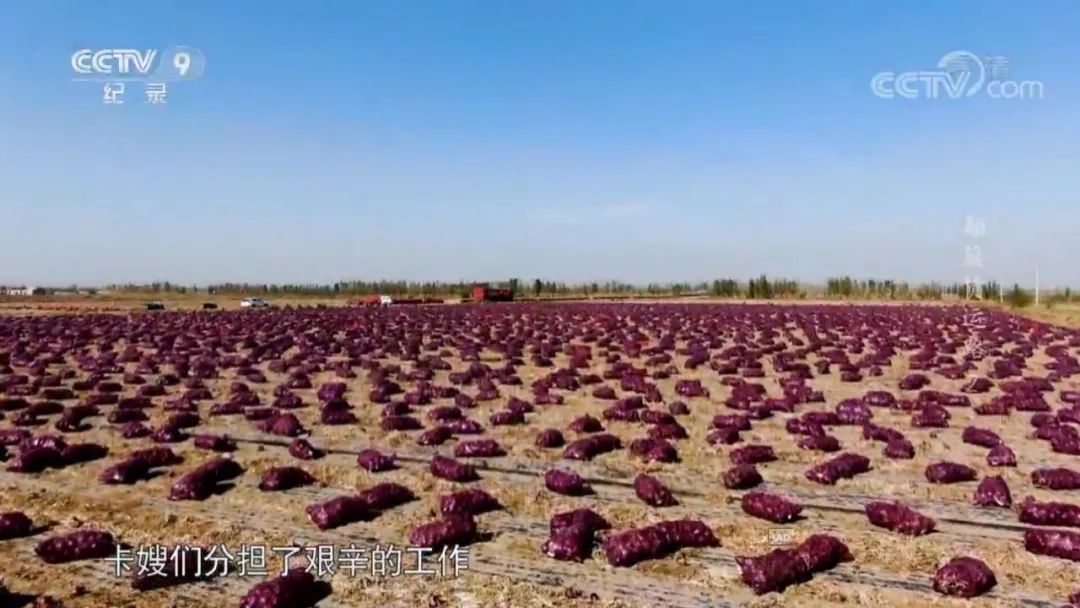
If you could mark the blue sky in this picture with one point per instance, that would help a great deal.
(642, 141)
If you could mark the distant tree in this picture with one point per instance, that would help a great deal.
(1018, 297)
(764, 288)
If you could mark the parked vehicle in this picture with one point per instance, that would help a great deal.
(482, 292)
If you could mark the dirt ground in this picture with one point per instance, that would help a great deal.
(129, 302)
(508, 568)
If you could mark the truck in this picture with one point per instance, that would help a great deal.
(482, 292)
(374, 301)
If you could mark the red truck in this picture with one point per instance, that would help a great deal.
(482, 292)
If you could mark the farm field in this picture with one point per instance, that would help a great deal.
(682, 393)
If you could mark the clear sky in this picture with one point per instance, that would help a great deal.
(586, 140)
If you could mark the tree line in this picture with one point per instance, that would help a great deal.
(761, 287)
(849, 287)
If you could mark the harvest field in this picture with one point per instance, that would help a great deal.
(665, 413)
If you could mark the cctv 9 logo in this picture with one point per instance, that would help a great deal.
(181, 63)
(174, 63)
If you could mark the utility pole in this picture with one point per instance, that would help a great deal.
(1036, 286)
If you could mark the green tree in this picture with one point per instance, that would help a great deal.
(1018, 297)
